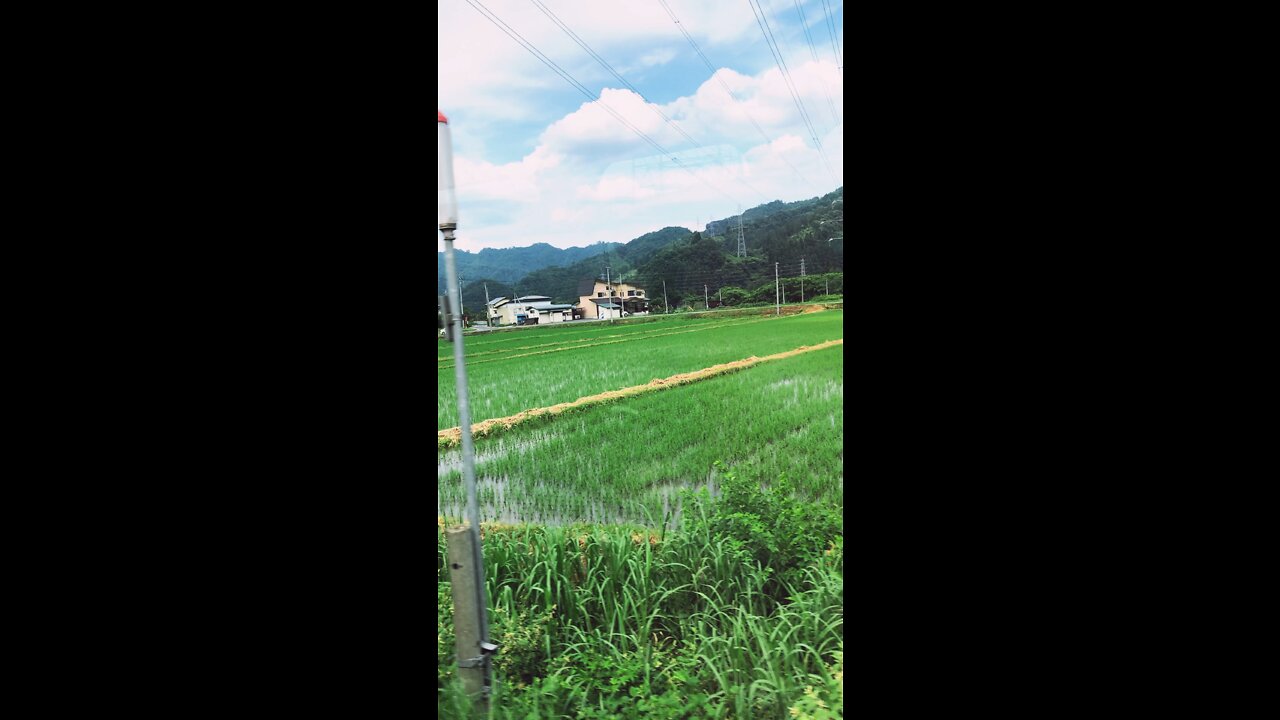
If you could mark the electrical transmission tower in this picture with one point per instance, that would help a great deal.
(742, 243)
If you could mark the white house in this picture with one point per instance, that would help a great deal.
(528, 310)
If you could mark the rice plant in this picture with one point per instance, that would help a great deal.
(626, 461)
(507, 386)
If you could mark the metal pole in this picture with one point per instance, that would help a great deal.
(447, 222)
(487, 309)
(664, 295)
(468, 467)
(609, 286)
(801, 279)
(777, 290)
(706, 300)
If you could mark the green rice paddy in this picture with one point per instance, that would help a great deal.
(613, 592)
(623, 461)
(502, 385)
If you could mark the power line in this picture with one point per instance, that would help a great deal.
(648, 103)
(813, 50)
(831, 27)
(778, 60)
(515, 35)
(731, 94)
(582, 43)
(786, 77)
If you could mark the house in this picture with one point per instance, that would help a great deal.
(600, 298)
(528, 310)
(493, 310)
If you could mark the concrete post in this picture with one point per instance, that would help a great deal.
(466, 619)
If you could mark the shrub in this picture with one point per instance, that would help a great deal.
(521, 655)
(825, 702)
(770, 527)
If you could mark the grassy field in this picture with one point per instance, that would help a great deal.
(502, 384)
(676, 554)
(623, 461)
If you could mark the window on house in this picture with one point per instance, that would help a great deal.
(631, 293)
(599, 294)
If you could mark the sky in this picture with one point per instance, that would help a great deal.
(535, 160)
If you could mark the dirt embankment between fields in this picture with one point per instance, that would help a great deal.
(453, 436)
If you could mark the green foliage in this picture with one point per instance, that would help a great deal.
(561, 281)
(769, 527)
(775, 232)
(522, 655)
(827, 701)
(473, 294)
(446, 663)
(675, 627)
(509, 265)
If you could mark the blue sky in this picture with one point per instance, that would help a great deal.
(536, 161)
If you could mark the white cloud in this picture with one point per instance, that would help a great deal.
(482, 69)
(658, 57)
(586, 177)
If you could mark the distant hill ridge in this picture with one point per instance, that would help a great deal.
(775, 232)
(508, 265)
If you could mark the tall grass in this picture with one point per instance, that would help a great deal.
(677, 616)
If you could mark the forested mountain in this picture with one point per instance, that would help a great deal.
(696, 264)
(510, 264)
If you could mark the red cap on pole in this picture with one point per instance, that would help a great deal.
(442, 119)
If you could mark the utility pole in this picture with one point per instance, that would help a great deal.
(608, 286)
(706, 301)
(664, 296)
(721, 292)
(486, 304)
(471, 605)
(826, 285)
(801, 279)
(777, 291)
(462, 310)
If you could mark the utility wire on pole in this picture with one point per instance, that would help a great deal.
(608, 286)
(777, 290)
